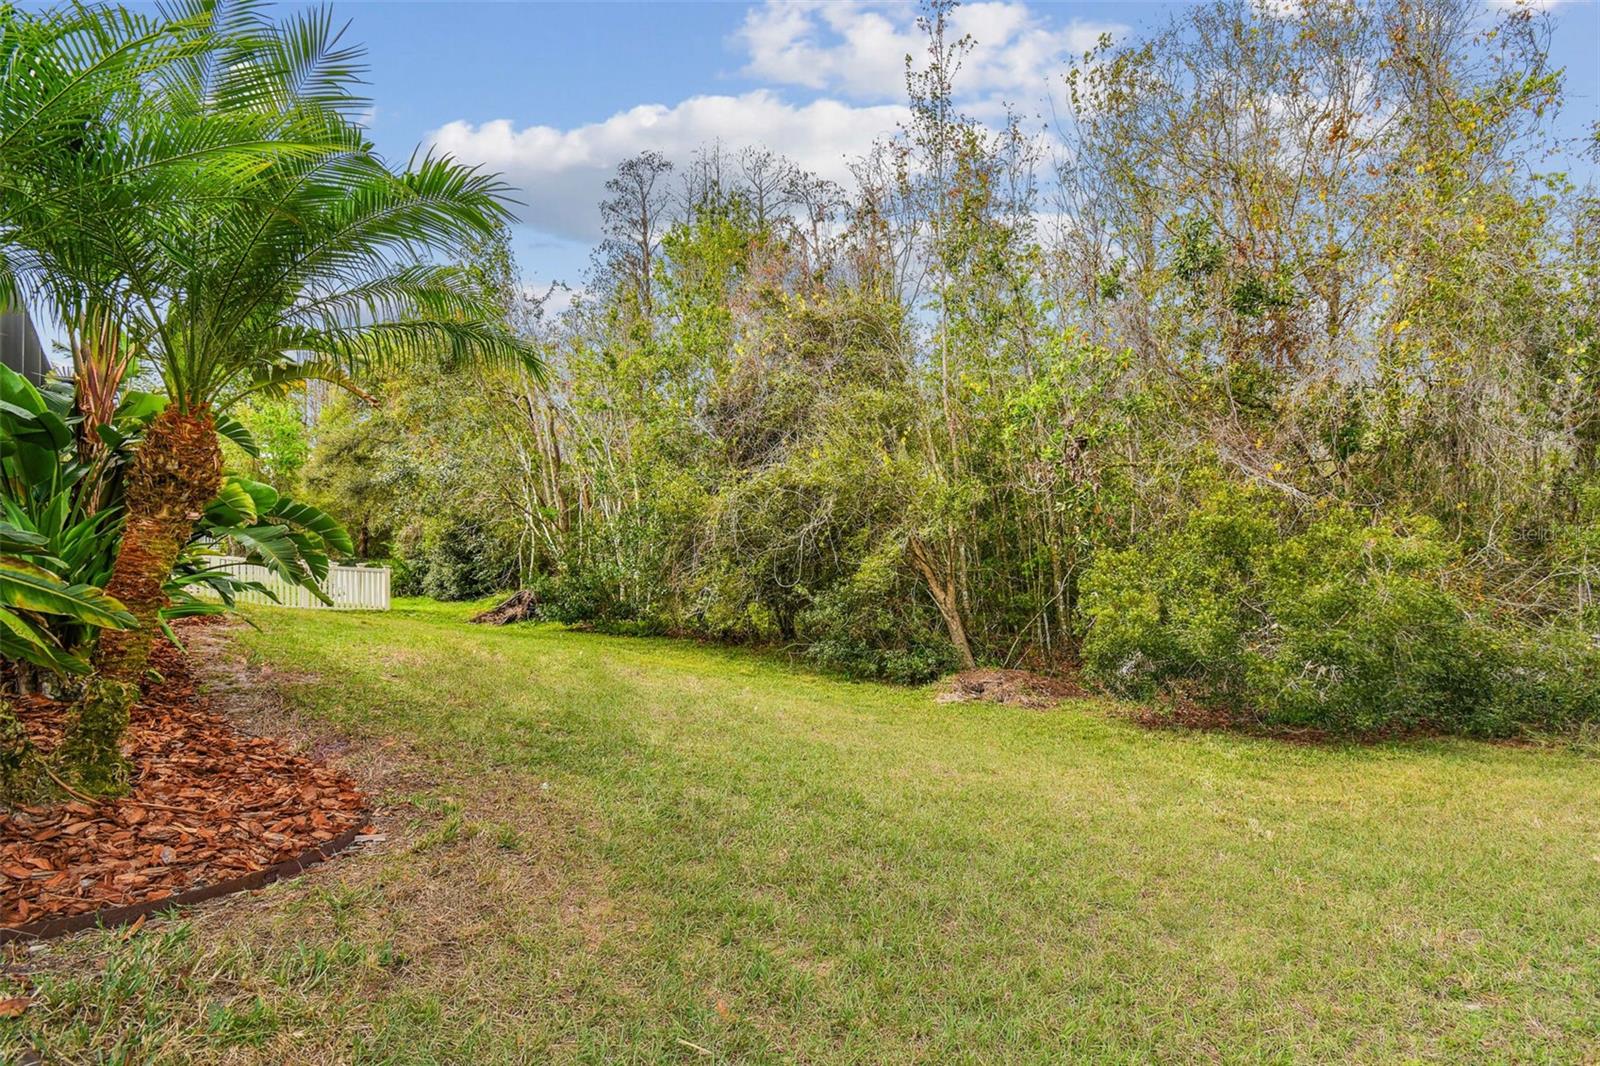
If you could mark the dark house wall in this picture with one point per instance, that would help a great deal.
(20, 348)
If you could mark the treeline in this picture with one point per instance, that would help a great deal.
(1265, 379)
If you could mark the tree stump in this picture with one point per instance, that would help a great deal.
(520, 606)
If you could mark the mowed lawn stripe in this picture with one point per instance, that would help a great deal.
(971, 877)
(623, 850)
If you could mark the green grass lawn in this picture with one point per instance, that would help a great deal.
(606, 849)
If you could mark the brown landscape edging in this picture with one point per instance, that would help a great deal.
(107, 917)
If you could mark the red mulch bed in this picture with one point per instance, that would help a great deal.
(209, 804)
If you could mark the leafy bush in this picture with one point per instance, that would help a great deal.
(594, 598)
(1546, 679)
(1364, 634)
(405, 576)
(455, 561)
(872, 626)
(1345, 625)
(567, 598)
(1176, 609)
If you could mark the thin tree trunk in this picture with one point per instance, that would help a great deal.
(945, 597)
(177, 471)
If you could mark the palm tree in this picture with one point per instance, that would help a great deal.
(256, 239)
(63, 76)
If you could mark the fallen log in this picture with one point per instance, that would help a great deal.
(522, 606)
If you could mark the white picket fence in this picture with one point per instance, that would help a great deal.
(351, 588)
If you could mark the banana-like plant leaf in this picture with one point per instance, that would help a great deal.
(23, 641)
(28, 414)
(112, 435)
(311, 553)
(276, 548)
(317, 521)
(18, 394)
(220, 580)
(234, 430)
(269, 545)
(53, 424)
(27, 587)
(139, 407)
(233, 506)
(17, 540)
(265, 496)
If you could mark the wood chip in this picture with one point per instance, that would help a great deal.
(206, 798)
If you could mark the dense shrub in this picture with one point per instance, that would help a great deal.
(454, 561)
(405, 579)
(592, 598)
(734, 422)
(1345, 625)
(869, 627)
(1546, 679)
(1178, 608)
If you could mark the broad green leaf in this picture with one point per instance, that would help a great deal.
(271, 546)
(18, 393)
(265, 496)
(234, 430)
(23, 641)
(317, 521)
(30, 588)
(311, 553)
(60, 433)
(139, 407)
(13, 539)
(282, 552)
(233, 506)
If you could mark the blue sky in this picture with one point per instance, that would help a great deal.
(555, 94)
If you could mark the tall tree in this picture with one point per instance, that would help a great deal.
(634, 216)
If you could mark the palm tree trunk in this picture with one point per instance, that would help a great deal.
(176, 472)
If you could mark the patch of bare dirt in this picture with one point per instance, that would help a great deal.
(251, 695)
(1013, 688)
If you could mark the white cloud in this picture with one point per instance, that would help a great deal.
(859, 47)
(561, 173)
(851, 52)
(839, 46)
